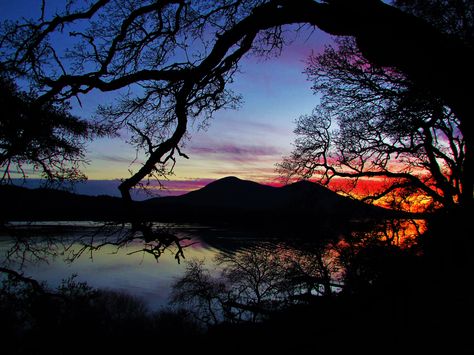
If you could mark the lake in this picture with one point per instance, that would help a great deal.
(125, 269)
(44, 249)
(109, 256)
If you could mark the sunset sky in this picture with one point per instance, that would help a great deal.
(246, 143)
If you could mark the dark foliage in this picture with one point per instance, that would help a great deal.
(42, 139)
(392, 299)
(75, 319)
(375, 125)
(455, 18)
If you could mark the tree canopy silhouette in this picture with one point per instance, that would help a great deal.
(44, 137)
(454, 18)
(375, 124)
(179, 57)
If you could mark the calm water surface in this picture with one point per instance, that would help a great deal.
(41, 250)
(125, 269)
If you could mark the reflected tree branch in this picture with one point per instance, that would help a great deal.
(31, 245)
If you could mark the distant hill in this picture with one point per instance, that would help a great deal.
(228, 199)
(227, 193)
(234, 199)
(20, 203)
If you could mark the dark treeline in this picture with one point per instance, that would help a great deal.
(75, 319)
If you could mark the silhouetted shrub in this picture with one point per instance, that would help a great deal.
(75, 318)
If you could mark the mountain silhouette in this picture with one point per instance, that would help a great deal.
(231, 198)
(228, 192)
(227, 199)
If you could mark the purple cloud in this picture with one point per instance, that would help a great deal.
(232, 150)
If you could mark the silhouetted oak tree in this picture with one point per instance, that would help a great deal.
(178, 56)
(374, 123)
(43, 137)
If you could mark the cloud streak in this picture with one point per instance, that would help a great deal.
(116, 159)
(232, 150)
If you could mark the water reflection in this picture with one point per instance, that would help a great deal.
(255, 282)
(289, 270)
(105, 257)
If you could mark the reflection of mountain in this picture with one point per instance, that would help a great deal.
(228, 199)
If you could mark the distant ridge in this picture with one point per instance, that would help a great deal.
(21, 203)
(228, 192)
(227, 199)
(233, 198)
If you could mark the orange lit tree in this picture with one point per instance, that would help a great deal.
(374, 124)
